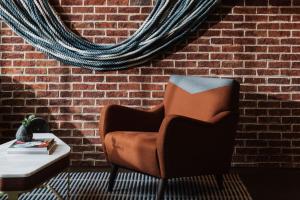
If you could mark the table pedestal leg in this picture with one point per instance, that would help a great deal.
(12, 195)
(53, 191)
(68, 182)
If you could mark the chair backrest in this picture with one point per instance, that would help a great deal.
(200, 97)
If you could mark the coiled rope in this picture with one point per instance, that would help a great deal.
(170, 21)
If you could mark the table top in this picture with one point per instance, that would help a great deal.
(24, 165)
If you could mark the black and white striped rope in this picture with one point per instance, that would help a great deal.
(169, 22)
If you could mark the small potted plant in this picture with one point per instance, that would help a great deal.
(24, 134)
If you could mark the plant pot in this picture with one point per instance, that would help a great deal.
(23, 135)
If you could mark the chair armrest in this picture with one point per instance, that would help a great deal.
(188, 147)
(120, 118)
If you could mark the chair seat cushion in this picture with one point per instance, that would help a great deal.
(133, 150)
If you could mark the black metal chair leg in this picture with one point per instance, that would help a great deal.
(161, 189)
(112, 177)
(220, 181)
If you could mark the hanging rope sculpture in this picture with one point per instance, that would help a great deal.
(170, 21)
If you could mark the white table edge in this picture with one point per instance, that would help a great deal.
(39, 169)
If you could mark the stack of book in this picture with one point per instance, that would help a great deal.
(36, 146)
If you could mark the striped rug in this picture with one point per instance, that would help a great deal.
(135, 186)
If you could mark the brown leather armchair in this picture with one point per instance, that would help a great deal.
(191, 133)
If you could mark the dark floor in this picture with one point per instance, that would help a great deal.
(271, 184)
(263, 183)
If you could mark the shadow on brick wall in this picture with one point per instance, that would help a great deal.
(187, 44)
(269, 131)
(18, 100)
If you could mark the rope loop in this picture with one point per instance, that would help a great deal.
(169, 22)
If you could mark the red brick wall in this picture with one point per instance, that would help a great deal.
(255, 41)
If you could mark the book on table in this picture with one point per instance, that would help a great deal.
(36, 146)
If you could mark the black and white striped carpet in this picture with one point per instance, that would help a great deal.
(135, 186)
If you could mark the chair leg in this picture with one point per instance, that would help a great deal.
(161, 189)
(112, 177)
(220, 181)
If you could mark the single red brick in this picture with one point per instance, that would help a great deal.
(256, 18)
(83, 102)
(267, 41)
(256, 64)
(12, 55)
(256, 33)
(244, 10)
(93, 3)
(233, 33)
(71, 2)
(222, 41)
(242, 56)
(256, 3)
(290, 10)
(285, 18)
(280, 2)
(60, 102)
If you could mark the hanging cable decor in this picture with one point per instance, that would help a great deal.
(170, 21)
